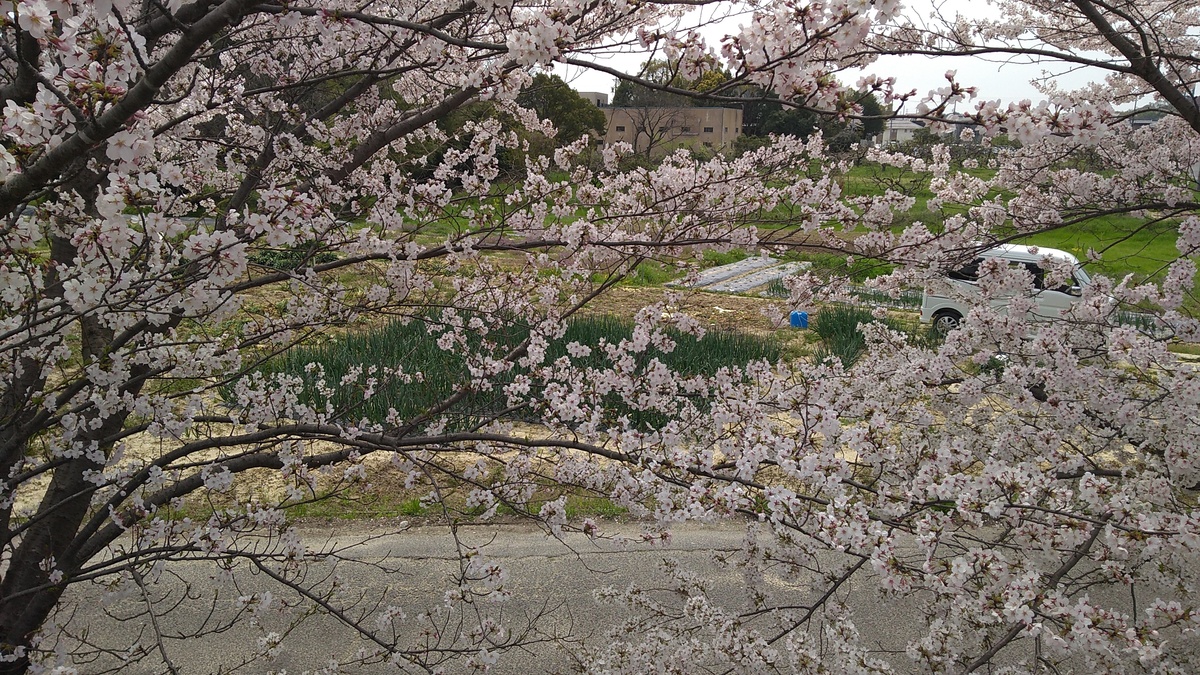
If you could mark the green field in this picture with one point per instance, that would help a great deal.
(1125, 244)
(443, 372)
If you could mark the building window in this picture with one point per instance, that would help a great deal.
(708, 130)
(685, 129)
(662, 129)
(726, 129)
(620, 128)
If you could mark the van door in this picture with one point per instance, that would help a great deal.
(1051, 303)
(966, 280)
(1001, 302)
(946, 308)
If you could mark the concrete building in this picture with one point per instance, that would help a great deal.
(596, 98)
(657, 131)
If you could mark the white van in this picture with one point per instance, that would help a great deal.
(946, 312)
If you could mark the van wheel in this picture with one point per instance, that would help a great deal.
(946, 321)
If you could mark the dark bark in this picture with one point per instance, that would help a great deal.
(23, 88)
(1143, 63)
(50, 165)
(27, 597)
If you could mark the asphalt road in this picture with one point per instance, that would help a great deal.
(549, 579)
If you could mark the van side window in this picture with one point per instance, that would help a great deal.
(1039, 275)
(968, 272)
(1039, 280)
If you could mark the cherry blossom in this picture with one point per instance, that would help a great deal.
(1027, 484)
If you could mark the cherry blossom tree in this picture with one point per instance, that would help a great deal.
(153, 153)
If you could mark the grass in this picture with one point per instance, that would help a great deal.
(841, 337)
(907, 299)
(834, 265)
(350, 503)
(776, 289)
(290, 258)
(355, 363)
(651, 274)
(1190, 349)
(713, 258)
(1127, 245)
(1147, 323)
(580, 506)
(343, 506)
(867, 179)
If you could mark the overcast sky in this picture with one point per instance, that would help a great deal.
(1006, 82)
(994, 80)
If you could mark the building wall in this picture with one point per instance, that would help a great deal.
(900, 130)
(671, 128)
(596, 98)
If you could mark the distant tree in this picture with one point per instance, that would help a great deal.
(710, 81)
(760, 104)
(790, 122)
(571, 114)
(772, 118)
(548, 95)
(874, 111)
(630, 94)
(653, 126)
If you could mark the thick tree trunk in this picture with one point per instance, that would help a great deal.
(18, 411)
(27, 596)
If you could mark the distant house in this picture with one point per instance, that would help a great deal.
(658, 130)
(900, 130)
(964, 123)
(1144, 119)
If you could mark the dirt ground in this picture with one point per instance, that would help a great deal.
(714, 310)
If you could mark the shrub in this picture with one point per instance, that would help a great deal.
(294, 257)
(651, 274)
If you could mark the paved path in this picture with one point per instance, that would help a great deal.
(547, 577)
